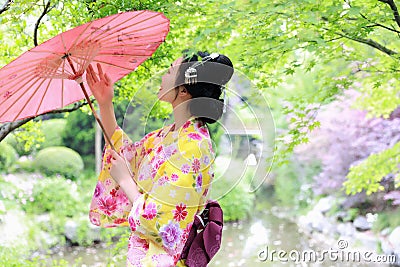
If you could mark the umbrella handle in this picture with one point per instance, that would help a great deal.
(96, 116)
(80, 82)
(108, 140)
(101, 125)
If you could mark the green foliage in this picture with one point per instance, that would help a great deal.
(16, 257)
(388, 219)
(27, 139)
(368, 174)
(287, 185)
(56, 195)
(25, 165)
(337, 43)
(59, 160)
(52, 130)
(8, 156)
(79, 133)
(237, 203)
(293, 183)
(351, 215)
(216, 131)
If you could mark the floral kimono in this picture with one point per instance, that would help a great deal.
(173, 172)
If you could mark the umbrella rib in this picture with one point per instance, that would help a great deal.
(130, 26)
(45, 51)
(103, 31)
(16, 100)
(41, 100)
(119, 30)
(16, 81)
(115, 26)
(141, 36)
(139, 46)
(108, 63)
(62, 85)
(25, 63)
(77, 38)
(44, 94)
(122, 55)
(63, 42)
(132, 47)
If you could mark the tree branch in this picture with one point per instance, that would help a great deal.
(8, 127)
(46, 10)
(378, 24)
(394, 9)
(371, 43)
(6, 6)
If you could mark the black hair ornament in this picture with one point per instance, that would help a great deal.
(191, 74)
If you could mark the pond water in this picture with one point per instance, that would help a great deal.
(245, 243)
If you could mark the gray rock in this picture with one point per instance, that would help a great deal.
(43, 219)
(70, 230)
(386, 247)
(346, 229)
(304, 223)
(93, 233)
(325, 204)
(318, 221)
(368, 240)
(394, 240)
(361, 224)
(385, 232)
(341, 215)
(353, 200)
(48, 239)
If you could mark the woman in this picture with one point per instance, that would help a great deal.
(169, 175)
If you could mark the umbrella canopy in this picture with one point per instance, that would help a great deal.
(50, 76)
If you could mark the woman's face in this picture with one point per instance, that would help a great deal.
(167, 92)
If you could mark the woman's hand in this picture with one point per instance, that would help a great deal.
(121, 174)
(100, 85)
(119, 169)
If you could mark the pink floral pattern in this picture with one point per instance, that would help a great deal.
(107, 204)
(172, 179)
(196, 165)
(180, 212)
(150, 211)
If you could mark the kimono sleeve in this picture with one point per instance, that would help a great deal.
(110, 206)
(165, 214)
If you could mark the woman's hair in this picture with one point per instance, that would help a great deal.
(212, 75)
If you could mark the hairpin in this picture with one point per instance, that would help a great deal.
(191, 72)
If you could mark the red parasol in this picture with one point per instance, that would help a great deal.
(50, 76)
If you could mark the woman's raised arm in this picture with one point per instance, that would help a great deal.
(102, 88)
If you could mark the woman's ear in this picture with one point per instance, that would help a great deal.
(182, 91)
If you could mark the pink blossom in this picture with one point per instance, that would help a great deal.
(94, 218)
(107, 205)
(174, 177)
(180, 212)
(204, 131)
(163, 180)
(150, 211)
(186, 125)
(194, 136)
(99, 189)
(132, 223)
(196, 165)
(185, 168)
